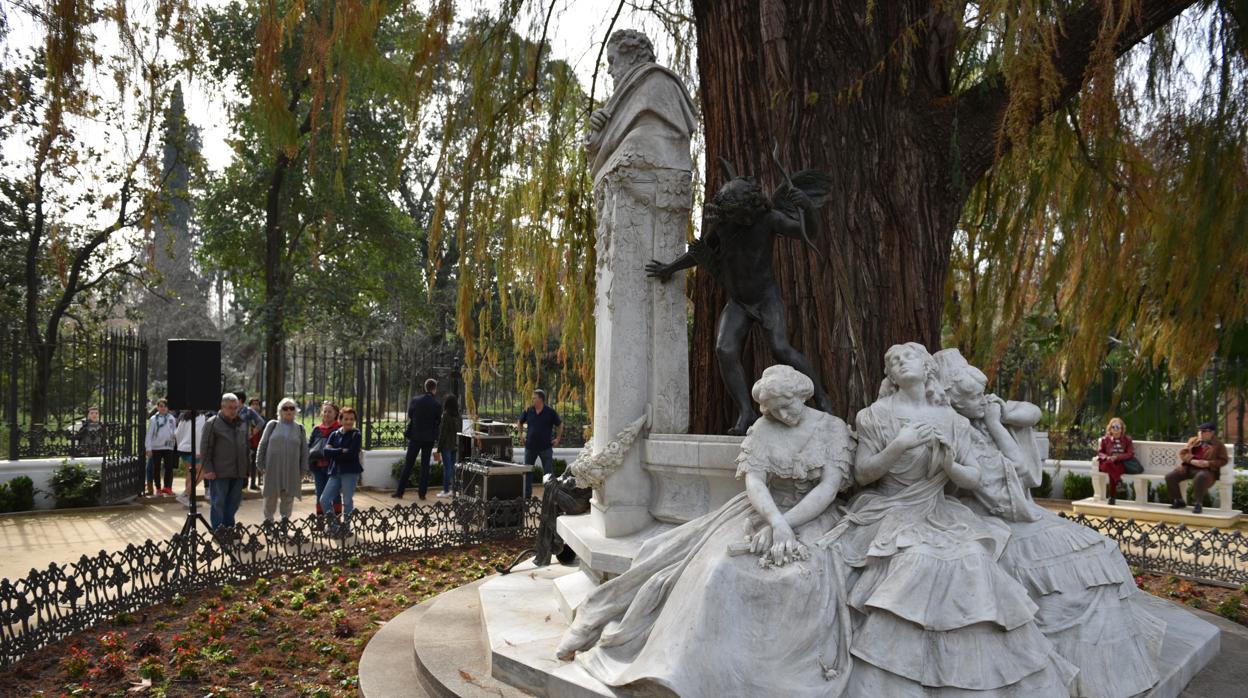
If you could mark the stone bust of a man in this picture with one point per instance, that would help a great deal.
(650, 117)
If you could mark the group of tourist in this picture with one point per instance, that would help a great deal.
(236, 445)
(168, 440)
(1200, 461)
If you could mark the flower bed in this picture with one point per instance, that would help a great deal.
(1231, 604)
(293, 635)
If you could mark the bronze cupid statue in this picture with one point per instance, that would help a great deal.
(741, 225)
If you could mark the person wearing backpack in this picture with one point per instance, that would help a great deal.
(282, 457)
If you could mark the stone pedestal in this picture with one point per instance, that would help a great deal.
(641, 344)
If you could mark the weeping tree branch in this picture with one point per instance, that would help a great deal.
(980, 110)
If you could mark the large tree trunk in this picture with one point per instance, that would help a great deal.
(774, 70)
(860, 89)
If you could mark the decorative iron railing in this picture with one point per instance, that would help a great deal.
(1210, 555)
(51, 604)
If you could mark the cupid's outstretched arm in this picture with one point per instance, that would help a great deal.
(663, 272)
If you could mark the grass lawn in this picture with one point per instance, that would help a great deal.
(293, 635)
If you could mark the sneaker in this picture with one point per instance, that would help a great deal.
(1177, 504)
(166, 491)
(1196, 509)
(445, 493)
(396, 496)
(184, 499)
(1112, 501)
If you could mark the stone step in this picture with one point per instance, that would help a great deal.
(1151, 511)
(386, 667)
(448, 651)
(571, 590)
(523, 625)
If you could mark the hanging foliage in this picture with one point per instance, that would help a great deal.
(1122, 219)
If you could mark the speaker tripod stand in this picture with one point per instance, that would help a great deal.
(190, 527)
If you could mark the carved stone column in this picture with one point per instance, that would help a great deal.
(641, 344)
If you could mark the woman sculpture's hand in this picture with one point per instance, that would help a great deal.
(761, 542)
(785, 547)
(913, 435)
(993, 409)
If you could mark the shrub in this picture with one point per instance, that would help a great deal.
(1077, 486)
(75, 485)
(1045, 488)
(1229, 608)
(1239, 494)
(17, 494)
(435, 471)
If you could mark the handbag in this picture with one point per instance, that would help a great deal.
(1132, 466)
(316, 452)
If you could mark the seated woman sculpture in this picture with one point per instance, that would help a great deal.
(933, 613)
(736, 602)
(1077, 577)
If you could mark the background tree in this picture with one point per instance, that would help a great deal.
(68, 204)
(176, 304)
(911, 105)
(302, 222)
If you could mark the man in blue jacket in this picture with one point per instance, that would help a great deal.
(543, 430)
(423, 415)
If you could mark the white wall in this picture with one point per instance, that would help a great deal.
(40, 471)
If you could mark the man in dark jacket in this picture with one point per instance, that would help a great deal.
(1201, 461)
(226, 458)
(423, 415)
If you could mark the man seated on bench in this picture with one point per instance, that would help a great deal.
(1202, 460)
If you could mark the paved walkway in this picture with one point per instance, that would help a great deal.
(35, 540)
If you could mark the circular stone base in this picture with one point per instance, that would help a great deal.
(496, 637)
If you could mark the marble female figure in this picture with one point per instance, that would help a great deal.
(934, 614)
(737, 602)
(1086, 594)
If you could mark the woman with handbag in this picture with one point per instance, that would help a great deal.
(282, 457)
(318, 462)
(1115, 456)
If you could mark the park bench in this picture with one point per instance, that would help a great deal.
(1158, 459)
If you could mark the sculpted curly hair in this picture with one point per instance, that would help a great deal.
(741, 201)
(781, 380)
(633, 44)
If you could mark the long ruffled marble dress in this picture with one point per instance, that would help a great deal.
(1083, 588)
(694, 618)
(934, 614)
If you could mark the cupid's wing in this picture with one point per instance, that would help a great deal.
(815, 184)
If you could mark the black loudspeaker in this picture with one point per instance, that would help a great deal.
(194, 374)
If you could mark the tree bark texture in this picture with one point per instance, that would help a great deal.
(866, 98)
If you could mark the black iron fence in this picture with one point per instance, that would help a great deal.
(379, 383)
(48, 390)
(1207, 555)
(49, 605)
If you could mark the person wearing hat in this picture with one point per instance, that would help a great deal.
(1202, 460)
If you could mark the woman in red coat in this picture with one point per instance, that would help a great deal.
(1114, 452)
